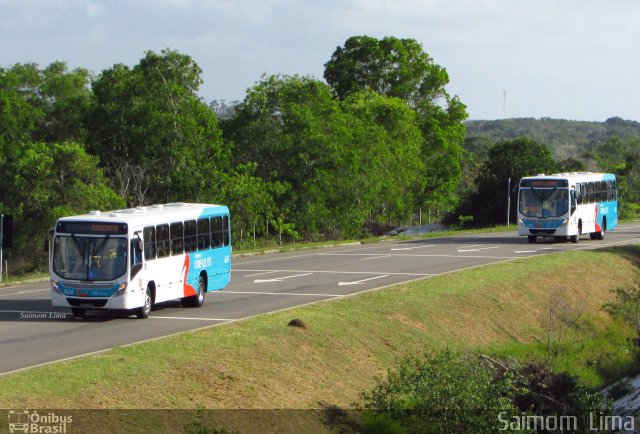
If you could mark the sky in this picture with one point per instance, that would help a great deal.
(563, 59)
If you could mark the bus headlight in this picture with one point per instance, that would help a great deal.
(520, 222)
(56, 288)
(564, 222)
(120, 290)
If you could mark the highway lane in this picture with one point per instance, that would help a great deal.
(33, 333)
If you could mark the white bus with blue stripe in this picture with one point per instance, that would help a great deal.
(133, 258)
(567, 205)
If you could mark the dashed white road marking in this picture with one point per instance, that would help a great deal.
(412, 248)
(191, 318)
(477, 249)
(279, 279)
(360, 282)
(353, 272)
(260, 274)
(278, 293)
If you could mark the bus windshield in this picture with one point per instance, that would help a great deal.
(544, 202)
(89, 258)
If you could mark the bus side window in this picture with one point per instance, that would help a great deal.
(216, 232)
(204, 234)
(225, 230)
(177, 238)
(190, 239)
(149, 235)
(602, 194)
(162, 237)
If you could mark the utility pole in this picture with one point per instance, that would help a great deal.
(508, 200)
(504, 104)
(1, 243)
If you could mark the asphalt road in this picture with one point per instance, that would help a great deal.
(34, 333)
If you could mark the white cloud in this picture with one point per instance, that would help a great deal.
(572, 58)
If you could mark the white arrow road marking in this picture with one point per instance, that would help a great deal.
(477, 249)
(278, 279)
(412, 248)
(358, 282)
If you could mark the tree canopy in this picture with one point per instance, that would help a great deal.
(377, 143)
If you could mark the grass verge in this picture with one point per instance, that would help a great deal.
(261, 363)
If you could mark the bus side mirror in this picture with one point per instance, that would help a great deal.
(574, 206)
(139, 244)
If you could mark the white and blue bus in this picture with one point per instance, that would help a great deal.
(131, 259)
(567, 205)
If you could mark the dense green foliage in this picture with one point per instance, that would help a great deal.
(448, 392)
(505, 160)
(399, 68)
(376, 145)
(567, 138)
(511, 148)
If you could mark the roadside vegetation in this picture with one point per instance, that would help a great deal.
(330, 367)
(379, 143)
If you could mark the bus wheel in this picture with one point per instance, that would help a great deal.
(603, 229)
(575, 238)
(198, 299)
(531, 238)
(78, 312)
(144, 311)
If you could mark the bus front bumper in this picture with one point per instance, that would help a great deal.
(546, 228)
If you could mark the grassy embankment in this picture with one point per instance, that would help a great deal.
(263, 363)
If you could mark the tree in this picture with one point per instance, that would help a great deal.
(390, 66)
(400, 68)
(389, 141)
(339, 163)
(36, 105)
(251, 199)
(51, 181)
(18, 119)
(150, 117)
(507, 159)
(298, 136)
(65, 98)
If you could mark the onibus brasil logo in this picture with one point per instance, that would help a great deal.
(27, 421)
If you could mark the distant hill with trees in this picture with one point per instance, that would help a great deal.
(567, 139)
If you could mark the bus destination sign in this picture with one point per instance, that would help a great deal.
(544, 183)
(92, 228)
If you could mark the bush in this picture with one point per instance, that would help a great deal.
(447, 392)
(442, 392)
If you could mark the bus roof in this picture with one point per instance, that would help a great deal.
(575, 176)
(151, 214)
